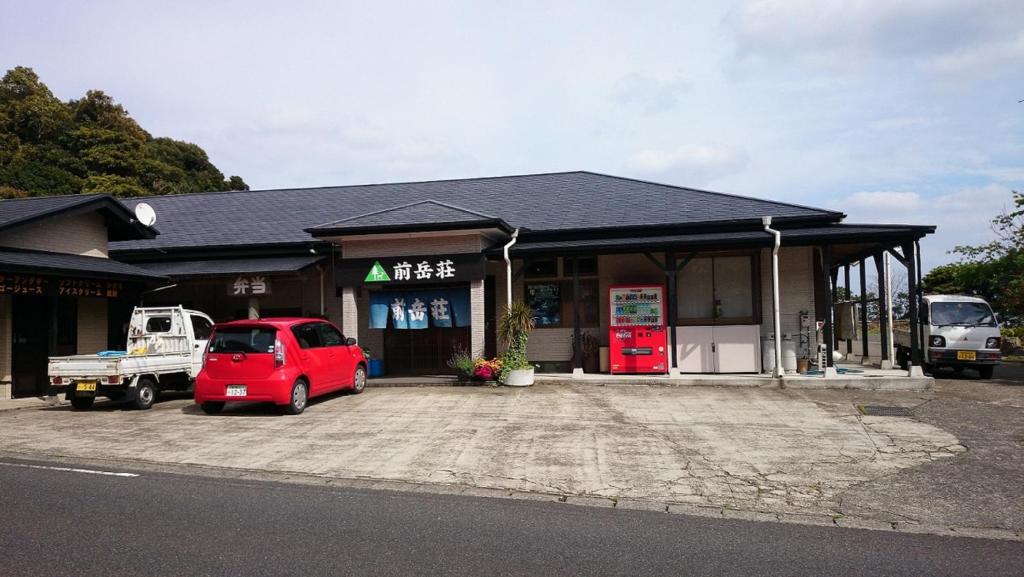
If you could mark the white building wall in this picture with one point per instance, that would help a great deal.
(83, 234)
(796, 288)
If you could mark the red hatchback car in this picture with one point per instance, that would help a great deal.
(285, 361)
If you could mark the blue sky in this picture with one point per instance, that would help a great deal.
(889, 111)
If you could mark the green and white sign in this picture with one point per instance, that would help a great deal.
(377, 274)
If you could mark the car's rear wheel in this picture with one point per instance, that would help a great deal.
(359, 380)
(986, 371)
(145, 394)
(299, 398)
(82, 403)
(212, 407)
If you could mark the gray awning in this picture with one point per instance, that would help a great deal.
(72, 265)
(232, 266)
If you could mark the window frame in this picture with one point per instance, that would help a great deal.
(755, 317)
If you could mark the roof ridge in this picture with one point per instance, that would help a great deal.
(407, 205)
(715, 192)
(371, 184)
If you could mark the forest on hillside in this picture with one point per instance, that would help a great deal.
(89, 145)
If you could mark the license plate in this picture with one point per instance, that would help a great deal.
(236, 390)
(85, 387)
(966, 356)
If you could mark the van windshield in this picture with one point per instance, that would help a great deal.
(962, 314)
(243, 340)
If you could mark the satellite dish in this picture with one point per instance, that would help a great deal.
(145, 214)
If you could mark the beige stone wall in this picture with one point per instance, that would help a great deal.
(92, 325)
(447, 244)
(5, 346)
(84, 234)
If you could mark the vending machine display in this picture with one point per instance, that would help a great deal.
(636, 330)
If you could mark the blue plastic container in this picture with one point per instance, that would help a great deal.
(376, 368)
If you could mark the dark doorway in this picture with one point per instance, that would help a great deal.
(32, 331)
(490, 318)
(423, 351)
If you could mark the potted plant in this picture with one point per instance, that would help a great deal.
(486, 370)
(514, 329)
(463, 365)
(587, 348)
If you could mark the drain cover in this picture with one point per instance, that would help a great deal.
(884, 411)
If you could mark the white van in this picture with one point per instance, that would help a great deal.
(959, 332)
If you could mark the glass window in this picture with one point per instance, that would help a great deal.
(718, 290)
(963, 314)
(243, 340)
(201, 328)
(329, 336)
(541, 268)
(588, 265)
(158, 324)
(307, 335)
(546, 301)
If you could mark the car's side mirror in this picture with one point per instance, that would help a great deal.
(350, 342)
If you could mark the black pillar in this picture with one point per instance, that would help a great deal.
(909, 253)
(883, 313)
(671, 305)
(920, 293)
(829, 296)
(849, 297)
(863, 309)
(577, 357)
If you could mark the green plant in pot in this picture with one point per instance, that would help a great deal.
(462, 363)
(514, 329)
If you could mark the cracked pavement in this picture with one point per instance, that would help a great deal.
(805, 454)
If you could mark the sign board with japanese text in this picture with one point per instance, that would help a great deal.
(27, 284)
(249, 286)
(410, 270)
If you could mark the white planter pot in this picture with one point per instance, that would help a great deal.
(519, 378)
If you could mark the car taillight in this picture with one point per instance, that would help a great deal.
(278, 353)
(113, 380)
(58, 380)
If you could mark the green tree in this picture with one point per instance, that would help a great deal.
(90, 145)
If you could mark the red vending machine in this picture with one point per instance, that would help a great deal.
(637, 339)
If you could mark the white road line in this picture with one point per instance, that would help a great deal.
(70, 470)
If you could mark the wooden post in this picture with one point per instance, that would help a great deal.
(576, 332)
(849, 297)
(915, 336)
(829, 296)
(670, 305)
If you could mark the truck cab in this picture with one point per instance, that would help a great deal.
(960, 332)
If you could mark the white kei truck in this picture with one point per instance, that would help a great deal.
(960, 332)
(164, 351)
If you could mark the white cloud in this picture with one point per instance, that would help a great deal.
(690, 163)
(885, 200)
(650, 95)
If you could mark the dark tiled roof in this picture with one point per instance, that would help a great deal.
(542, 202)
(790, 237)
(120, 220)
(231, 266)
(422, 215)
(73, 265)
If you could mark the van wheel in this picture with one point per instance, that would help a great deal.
(299, 398)
(145, 394)
(985, 372)
(212, 407)
(359, 380)
(82, 403)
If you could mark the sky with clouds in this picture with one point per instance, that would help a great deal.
(891, 111)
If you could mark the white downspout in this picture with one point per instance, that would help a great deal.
(776, 316)
(508, 269)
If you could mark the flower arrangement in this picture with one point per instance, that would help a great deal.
(487, 370)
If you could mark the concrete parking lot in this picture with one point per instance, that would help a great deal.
(769, 453)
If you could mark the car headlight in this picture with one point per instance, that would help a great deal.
(993, 343)
(938, 341)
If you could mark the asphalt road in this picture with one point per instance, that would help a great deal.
(55, 522)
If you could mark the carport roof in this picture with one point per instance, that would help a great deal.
(833, 233)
